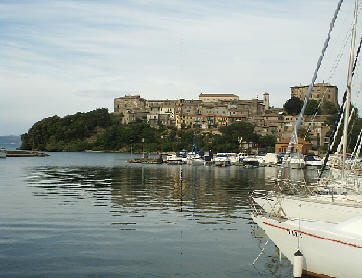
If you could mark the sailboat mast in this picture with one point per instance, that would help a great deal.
(349, 82)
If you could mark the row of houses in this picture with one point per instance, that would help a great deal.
(211, 111)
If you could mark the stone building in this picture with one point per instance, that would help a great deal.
(217, 97)
(122, 104)
(130, 107)
(320, 91)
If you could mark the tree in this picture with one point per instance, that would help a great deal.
(232, 134)
(293, 106)
(312, 107)
(268, 142)
(304, 133)
(329, 108)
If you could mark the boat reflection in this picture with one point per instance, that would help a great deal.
(207, 195)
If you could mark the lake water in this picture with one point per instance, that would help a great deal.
(95, 215)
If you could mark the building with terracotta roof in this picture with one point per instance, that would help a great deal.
(302, 146)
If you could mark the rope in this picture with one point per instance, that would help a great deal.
(337, 124)
(294, 133)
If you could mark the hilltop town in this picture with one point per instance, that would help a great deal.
(212, 111)
(222, 123)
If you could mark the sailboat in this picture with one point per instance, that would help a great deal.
(194, 158)
(306, 229)
(335, 198)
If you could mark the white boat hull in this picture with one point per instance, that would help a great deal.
(197, 162)
(3, 153)
(175, 161)
(325, 250)
(316, 163)
(312, 208)
(222, 162)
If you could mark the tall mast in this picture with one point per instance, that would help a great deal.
(349, 81)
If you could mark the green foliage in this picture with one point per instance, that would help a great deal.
(293, 106)
(304, 133)
(312, 107)
(100, 131)
(229, 140)
(267, 142)
(68, 133)
(329, 108)
(354, 129)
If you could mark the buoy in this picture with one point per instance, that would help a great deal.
(298, 264)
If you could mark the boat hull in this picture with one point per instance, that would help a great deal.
(3, 153)
(312, 208)
(222, 163)
(325, 253)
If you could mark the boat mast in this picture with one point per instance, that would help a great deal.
(349, 82)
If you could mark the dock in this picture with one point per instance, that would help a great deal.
(146, 160)
(25, 154)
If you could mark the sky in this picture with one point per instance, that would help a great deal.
(64, 57)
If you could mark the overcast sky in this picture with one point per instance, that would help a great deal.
(61, 57)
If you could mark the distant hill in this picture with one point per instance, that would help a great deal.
(10, 142)
(98, 130)
(11, 139)
(70, 133)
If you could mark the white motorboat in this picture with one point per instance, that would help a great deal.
(173, 159)
(328, 249)
(313, 160)
(234, 158)
(242, 156)
(197, 161)
(3, 153)
(271, 159)
(194, 159)
(296, 161)
(254, 161)
(222, 159)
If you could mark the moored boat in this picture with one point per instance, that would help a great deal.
(222, 159)
(3, 153)
(296, 161)
(313, 160)
(306, 228)
(328, 249)
(173, 159)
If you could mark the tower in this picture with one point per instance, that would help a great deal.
(266, 101)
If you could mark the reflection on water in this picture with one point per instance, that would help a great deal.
(206, 195)
(94, 215)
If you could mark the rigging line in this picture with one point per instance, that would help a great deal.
(332, 72)
(333, 69)
(349, 82)
(349, 121)
(358, 152)
(336, 124)
(346, 40)
(297, 125)
(356, 146)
